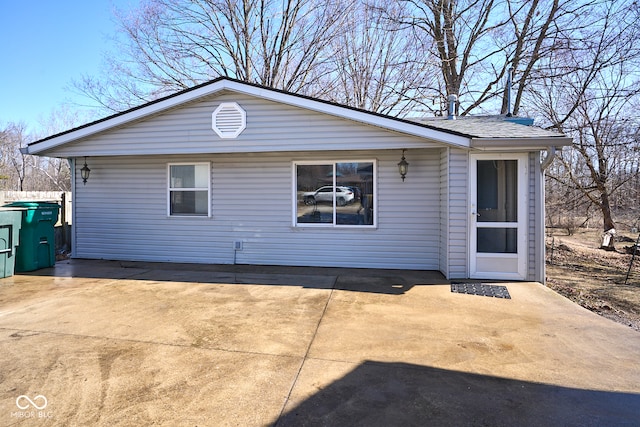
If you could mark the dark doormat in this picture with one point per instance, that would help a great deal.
(496, 291)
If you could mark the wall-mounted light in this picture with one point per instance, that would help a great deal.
(84, 172)
(403, 166)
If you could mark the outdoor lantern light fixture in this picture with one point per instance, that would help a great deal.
(403, 166)
(84, 172)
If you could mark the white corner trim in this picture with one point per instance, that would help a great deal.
(229, 120)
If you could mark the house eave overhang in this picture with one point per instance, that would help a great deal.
(48, 145)
(520, 144)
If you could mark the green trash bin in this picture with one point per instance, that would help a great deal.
(10, 222)
(37, 243)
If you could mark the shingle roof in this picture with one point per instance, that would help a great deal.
(487, 127)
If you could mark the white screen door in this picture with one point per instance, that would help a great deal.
(498, 194)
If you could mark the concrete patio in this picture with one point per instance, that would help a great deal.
(120, 343)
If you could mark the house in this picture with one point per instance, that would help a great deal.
(230, 172)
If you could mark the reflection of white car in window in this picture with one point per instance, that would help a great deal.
(344, 195)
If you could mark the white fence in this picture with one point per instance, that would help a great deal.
(61, 197)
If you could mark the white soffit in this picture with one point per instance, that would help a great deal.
(228, 120)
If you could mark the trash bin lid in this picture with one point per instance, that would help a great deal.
(32, 205)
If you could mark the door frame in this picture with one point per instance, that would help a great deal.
(520, 258)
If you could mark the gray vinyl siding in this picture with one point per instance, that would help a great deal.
(458, 213)
(121, 213)
(270, 127)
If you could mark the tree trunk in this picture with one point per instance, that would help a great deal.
(606, 212)
(608, 239)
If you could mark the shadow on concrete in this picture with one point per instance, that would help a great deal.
(382, 281)
(399, 394)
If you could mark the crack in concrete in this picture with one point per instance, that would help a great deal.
(306, 354)
(34, 332)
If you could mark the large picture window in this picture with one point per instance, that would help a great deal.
(335, 193)
(189, 189)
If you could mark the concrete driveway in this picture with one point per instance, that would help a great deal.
(120, 344)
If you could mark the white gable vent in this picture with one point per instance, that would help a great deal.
(229, 120)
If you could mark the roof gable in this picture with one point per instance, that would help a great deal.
(479, 133)
(270, 127)
(50, 144)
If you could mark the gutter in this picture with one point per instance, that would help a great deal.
(551, 154)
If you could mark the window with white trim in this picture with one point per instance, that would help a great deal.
(189, 189)
(335, 193)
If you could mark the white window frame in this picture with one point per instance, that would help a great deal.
(170, 190)
(294, 194)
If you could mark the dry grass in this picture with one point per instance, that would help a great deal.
(595, 278)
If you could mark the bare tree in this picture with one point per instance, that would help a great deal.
(379, 64)
(13, 163)
(461, 34)
(478, 43)
(23, 172)
(536, 31)
(588, 92)
(529, 38)
(171, 45)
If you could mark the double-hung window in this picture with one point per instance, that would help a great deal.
(334, 194)
(189, 189)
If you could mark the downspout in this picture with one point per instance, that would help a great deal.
(551, 154)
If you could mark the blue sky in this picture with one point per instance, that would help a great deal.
(44, 45)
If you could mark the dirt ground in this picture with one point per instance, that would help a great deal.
(594, 278)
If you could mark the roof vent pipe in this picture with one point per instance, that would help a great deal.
(509, 83)
(453, 99)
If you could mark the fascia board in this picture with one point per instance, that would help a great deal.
(537, 143)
